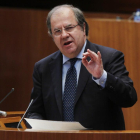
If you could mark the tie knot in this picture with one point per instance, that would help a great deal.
(72, 61)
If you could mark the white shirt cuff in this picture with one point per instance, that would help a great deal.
(102, 80)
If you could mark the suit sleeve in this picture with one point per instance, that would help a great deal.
(36, 110)
(119, 86)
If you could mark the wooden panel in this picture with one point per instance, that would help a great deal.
(23, 41)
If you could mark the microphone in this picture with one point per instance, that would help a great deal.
(7, 95)
(3, 113)
(24, 113)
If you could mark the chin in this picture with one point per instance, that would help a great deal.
(70, 53)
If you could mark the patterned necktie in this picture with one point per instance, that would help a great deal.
(70, 92)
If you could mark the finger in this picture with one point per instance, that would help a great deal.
(84, 61)
(85, 54)
(91, 52)
(99, 56)
(84, 58)
(92, 55)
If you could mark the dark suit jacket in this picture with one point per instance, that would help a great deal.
(95, 108)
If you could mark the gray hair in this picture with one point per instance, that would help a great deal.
(78, 15)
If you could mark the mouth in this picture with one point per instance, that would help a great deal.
(67, 43)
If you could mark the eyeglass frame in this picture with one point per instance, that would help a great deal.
(66, 29)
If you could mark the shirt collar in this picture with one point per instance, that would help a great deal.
(79, 56)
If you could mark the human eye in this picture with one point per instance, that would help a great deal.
(57, 32)
(69, 28)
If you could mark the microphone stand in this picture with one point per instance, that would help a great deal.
(3, 113)
(24, 114)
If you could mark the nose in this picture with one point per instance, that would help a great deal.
(64, 34)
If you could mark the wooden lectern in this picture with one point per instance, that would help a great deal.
(29, 134)
(12, 120)
(17, 134)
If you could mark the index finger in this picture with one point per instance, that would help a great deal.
(92, 54)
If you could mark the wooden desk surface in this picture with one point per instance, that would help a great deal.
(20, 134)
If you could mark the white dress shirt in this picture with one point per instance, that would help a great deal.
(66, 66)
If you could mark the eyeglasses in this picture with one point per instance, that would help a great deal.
(70, 28)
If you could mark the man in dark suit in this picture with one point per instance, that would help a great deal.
(103, 86)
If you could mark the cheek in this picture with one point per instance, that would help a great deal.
(79, 36)
(79, 39)
(57, 42)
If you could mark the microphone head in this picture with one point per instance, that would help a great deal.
(13, 89)
(3, 113)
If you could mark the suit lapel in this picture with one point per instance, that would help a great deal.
(56, 72)
(84, 74)
(83, 78)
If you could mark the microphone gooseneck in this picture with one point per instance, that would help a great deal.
(7, 95)
(3, 113)
(24, 113)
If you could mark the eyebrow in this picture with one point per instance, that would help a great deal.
(55, 29)
(68, 25)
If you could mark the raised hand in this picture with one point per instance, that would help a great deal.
(95, 65)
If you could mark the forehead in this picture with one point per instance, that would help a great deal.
(62, 17)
